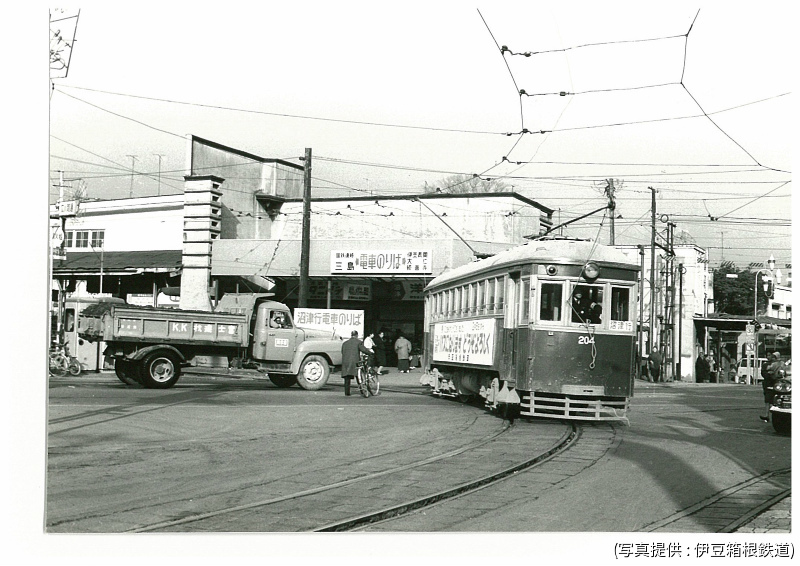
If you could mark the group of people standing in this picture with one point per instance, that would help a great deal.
(374, 347)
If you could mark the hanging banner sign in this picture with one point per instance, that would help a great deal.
(470, 342)
(415, 262)
(339, 322)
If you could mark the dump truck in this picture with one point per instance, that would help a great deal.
(151, 345)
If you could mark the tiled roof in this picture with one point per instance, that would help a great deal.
(119, 262)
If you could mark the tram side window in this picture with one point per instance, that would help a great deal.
(481, 297)
(490, 284)
(620, 303)
(524, 300)
(550, 303)
(587, 304)
(499, 291)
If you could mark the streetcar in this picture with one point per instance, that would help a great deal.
(545, 329)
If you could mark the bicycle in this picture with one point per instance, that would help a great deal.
(367, 378)
(61, 363)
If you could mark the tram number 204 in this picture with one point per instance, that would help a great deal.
(585, 340)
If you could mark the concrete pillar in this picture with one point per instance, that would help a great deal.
(201, 226)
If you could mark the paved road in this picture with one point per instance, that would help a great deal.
(685, 444)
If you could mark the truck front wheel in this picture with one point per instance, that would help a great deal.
(314, 373)
(160, 370)
(283, 380)
(126, 371)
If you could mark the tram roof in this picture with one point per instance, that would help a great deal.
(557, 250)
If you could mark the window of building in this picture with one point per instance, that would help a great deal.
(98, 238)
(587, 304)
(68, 239)
(550, 297)
(82, 239)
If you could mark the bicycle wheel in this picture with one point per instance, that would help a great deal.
(361, 378)
(59, 365)
(373, 385)
(74, 366)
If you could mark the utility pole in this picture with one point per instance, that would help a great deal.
(609, 190)
(302, 300)
(651, 332)
(133, 163)
(159, 155)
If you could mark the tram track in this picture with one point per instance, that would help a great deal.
(370, 497)
(730, 508)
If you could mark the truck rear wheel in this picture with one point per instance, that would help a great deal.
(314, 373)
(126, 371)
(283, 380)
(160, 370)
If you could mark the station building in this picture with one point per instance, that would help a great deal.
(238, 228)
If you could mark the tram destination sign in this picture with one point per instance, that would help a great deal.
(470, 342)
(408, 262)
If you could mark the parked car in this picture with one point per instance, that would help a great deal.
(741, 370)
(781, 409)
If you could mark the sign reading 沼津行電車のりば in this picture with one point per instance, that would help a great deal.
(471, 341)
(336, 321)
(409, 262)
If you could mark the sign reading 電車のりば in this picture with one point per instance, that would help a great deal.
(408, 262)
(340, 322)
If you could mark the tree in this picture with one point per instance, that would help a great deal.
(459, 184)
(734, 295)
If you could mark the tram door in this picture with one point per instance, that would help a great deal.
(515, 331)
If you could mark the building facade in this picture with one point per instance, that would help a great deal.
(244, 215)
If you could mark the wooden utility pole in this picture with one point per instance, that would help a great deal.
(302, 300)
(612, 205)
(651, 331)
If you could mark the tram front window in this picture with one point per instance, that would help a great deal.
(587, 304)
(620, 303)
(550, 305)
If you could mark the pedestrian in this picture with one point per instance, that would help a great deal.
(380, 351)
(403, 348)
(712, 367)
(774, 371)
(654, 365)
(350, 357)
(369, 344)
(701, 368)
(725, 365)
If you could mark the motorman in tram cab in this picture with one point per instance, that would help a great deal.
(585, 309)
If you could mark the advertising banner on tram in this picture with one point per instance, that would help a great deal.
(470, 341)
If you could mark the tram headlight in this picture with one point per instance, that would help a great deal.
(552, 270)
(591, 271)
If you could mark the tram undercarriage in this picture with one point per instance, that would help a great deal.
(465, 385)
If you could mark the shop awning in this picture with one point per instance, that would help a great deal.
(118, 263)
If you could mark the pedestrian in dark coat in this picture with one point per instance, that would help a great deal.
(350, 358)
(380, 351)
(654, 365)
(701, 368)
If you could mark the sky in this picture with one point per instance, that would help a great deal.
(691, 99)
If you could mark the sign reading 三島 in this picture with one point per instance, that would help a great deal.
(409, 262)
(340, 322)
(470, 342)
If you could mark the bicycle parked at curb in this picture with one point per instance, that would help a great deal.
(61, 363)
(367, 378)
